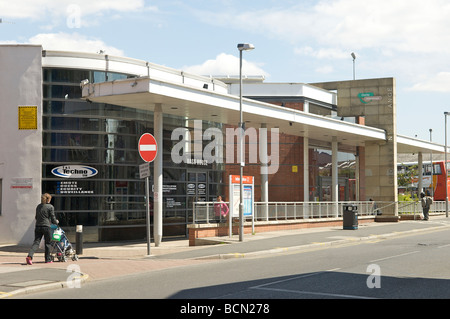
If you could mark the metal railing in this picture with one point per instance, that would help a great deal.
(415, 207)
(205, 212)
(308, 210)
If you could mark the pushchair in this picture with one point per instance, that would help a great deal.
(61, 247)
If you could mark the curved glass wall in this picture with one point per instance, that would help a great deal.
(111, 205)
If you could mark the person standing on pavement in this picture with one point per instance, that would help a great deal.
(426, 204)
(220, 209)
(45, 217)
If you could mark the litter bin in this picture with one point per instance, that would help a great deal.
(350, 217)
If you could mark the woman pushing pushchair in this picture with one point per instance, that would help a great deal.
(45, 217)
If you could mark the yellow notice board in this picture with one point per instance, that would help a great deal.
(27, 117)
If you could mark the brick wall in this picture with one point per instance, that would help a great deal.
(199, 231)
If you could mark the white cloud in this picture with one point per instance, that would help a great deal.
(323, 53)
(438, 83)
(73, 42)
(326, 69)
(70, 13)
(225, 64)
(42, 9)
(403, 25)
(401, 38)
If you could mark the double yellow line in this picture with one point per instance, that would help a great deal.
(4, 294)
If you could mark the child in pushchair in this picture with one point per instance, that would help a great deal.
(61, 247)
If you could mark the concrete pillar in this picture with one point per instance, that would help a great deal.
(334, 174)
(380, 157)
(357, 176)
(306, 107)
(305, 177)
(306, 160)
(334, 170)
(263, 154)
(361, 173)
(306, 169)
(264, 171)
(420, 173)
(158, 176)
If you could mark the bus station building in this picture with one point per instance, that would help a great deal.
(70, 124)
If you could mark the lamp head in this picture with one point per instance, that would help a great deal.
(245, 46)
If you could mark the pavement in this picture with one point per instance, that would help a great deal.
(108, 260)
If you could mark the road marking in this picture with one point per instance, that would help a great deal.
(315, 293)
(263, 287)
(396, 256)
(5, 294)
(295, 278)
(284, 280)
(374, 241)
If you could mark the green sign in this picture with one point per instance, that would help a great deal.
(362, 96)
(368, 97)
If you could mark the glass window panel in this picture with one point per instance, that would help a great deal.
(61, 91)
(105, 137)
(73, 155)
(99, 76)
(116, 76)
(65, 75)
(201, 177)
(71, 219)
(437, 169)
(192, 177)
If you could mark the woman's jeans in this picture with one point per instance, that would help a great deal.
(40, 231)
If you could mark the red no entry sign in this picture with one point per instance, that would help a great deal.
(147, 147)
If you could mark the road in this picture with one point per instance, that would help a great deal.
(413, 266)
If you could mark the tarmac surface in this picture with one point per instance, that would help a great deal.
(107, 260)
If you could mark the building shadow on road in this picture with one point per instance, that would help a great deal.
(325, 285)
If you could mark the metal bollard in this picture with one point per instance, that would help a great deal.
(79, 240)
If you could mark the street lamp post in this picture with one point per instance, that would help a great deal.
(445, 166)
(241, 47)
(354, 58)
(431, 162)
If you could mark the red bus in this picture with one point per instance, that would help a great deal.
(433, 178)
(440, 180)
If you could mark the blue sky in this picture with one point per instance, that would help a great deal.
(296, 41)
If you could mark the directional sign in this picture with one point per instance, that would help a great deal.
(144, 170)
(147, 147)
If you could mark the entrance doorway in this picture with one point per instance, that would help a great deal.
(196, 189)
(347, 189)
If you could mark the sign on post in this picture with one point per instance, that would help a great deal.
(235, 196)
(144, 170)
(148, 149)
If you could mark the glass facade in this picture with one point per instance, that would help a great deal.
(346, 172)
(111, 205)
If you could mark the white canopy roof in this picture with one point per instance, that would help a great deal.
(203, 98)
